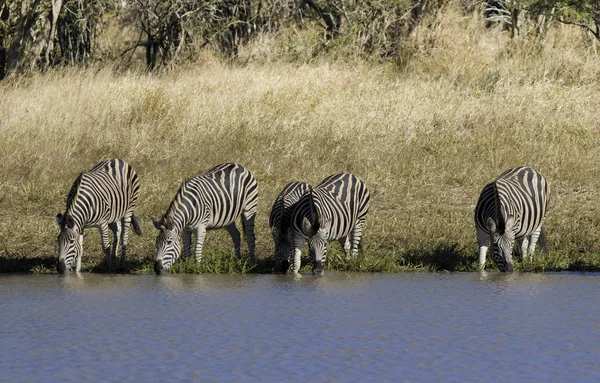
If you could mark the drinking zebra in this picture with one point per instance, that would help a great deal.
(103, 197)
(280, 221)
(210, 201)
(511, 208)
(335, 209)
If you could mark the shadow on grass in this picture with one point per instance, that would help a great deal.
(443, 257)
(447, 257)
(27, 265)
(440, 258)
(47, 265)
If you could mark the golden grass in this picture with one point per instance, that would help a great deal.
(425, 139)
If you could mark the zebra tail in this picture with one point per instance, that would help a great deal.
(136, 225)
(543, 241)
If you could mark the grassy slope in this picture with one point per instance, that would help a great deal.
(469, 105)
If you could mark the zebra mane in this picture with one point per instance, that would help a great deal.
(313, 209)
(66, 220)
(499, 216)
(168, 219)
(73, 192)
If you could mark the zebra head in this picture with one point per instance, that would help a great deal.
(168, 247)
(69, 243)
(502, 240)
(318, 233)
(317, 243)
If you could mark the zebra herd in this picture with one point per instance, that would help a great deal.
(510, 208)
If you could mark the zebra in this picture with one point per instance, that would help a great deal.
(511, 208)
(103, 197)
(280, 220)
(335, 209)
(213, 200)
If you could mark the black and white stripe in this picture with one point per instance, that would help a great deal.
(335, 209)
(280, 222)
(103, 197)
(211, 201)
(511, 208)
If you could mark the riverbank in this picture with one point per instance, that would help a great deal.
(425, 139)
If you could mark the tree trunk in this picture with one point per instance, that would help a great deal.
(56, 6)
(18, 47)
(4, 14)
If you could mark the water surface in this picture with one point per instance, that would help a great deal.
(414, 327)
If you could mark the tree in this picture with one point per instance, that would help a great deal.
(585, 14)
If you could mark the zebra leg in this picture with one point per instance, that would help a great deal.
(248, 223)
(186, 235)
(106, 244)
(297, 261)
(235, 236)
(345, 242)
(483, 241)
(126, 222)
(78, 264)
(523, 245)
(116, 229)
(356, 237)
(295, 255)
(533, 240)
(200, 234)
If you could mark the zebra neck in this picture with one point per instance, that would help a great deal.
(323, 203)
(505, 208)
(504, 203)
(177, 220)
(79, 209)
(78, 222)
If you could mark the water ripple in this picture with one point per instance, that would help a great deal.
(459, 327)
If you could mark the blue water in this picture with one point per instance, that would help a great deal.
(414, 327)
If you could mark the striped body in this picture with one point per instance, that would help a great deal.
(104, 198)
(511, 208)
(280, 220)
(335, 209)
(211, 201)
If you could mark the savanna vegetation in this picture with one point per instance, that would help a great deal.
(425, 101)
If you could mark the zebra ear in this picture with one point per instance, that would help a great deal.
(59, 219)
(157, 224)
(306, 225)
(491, 225)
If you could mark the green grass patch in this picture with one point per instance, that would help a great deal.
(441, 258)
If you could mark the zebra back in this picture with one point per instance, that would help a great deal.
(214, 199)
(342, 199)
(519, 192)
(105, 193)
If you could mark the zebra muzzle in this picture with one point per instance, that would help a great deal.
(61, 267)
(158, 268)
(318, 268)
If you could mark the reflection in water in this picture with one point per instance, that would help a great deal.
(336, 327)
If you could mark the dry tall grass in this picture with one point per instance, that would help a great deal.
(426, 139)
